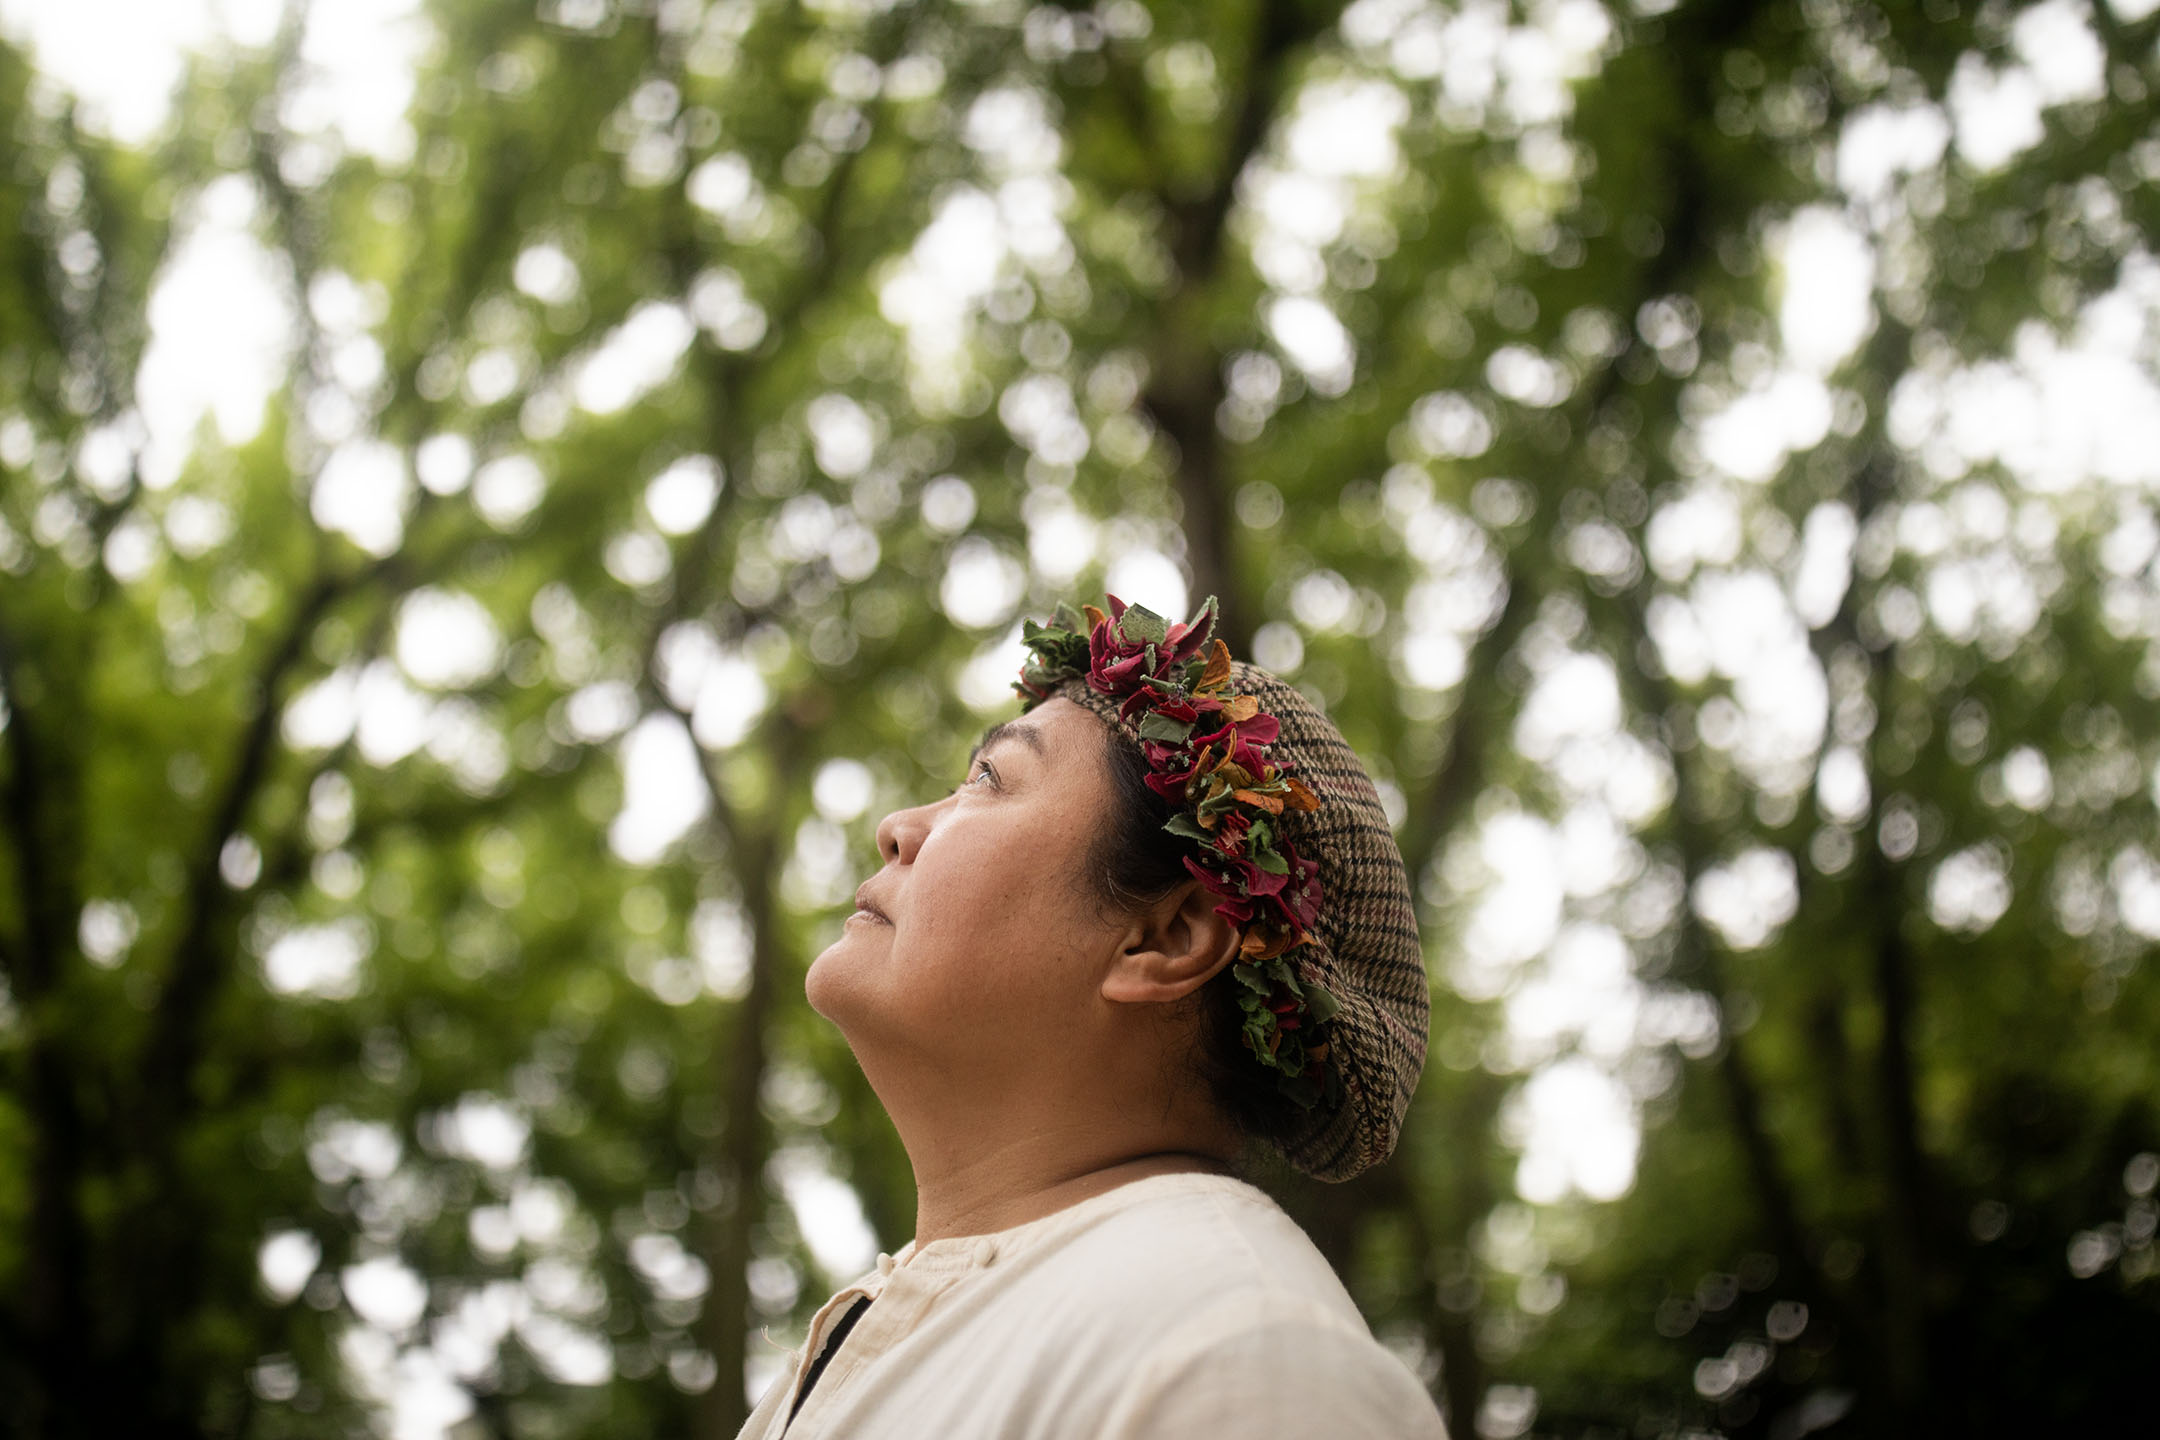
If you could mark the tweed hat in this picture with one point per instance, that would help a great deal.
(1360, 947)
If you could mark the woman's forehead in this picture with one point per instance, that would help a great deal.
(1011, 730)
(1051, 725)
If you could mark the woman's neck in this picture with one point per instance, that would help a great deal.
(977, 1185)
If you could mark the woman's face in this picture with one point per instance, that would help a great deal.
(976, 944)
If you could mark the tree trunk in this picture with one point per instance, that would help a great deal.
(1185, 385)
(745, 1139)
(740, 1160)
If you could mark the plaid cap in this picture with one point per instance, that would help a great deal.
(1365, 947)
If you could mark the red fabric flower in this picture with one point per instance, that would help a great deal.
(1149, 700)
(1170, 769)
(1115, 664)
(1231, 903)
(1186, 639)
(1301, 897)
(1118, 660)
(1245, 735)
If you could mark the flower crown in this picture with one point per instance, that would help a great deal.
(1207, 751)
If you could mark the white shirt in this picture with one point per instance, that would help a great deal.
(1176, 1306)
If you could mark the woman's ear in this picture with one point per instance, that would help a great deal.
(1173, 949)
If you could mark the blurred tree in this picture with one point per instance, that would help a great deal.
(1703, 454)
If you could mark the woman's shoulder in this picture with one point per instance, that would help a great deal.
(1236, 1320)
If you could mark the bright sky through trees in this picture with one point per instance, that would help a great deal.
(1705, 456)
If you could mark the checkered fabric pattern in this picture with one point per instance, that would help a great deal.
(1365, 949)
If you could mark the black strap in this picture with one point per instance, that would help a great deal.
(833, 1337)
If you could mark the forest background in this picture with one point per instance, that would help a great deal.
(495, 501)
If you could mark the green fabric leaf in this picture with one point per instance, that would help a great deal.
(1250, 977)
(1271, 862)
(1319, 1004)
(1143, 626)
(1157, 726)
(1055, 654)
(1184, 824)
(1209, 612)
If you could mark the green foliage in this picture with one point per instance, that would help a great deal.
(1789, 713)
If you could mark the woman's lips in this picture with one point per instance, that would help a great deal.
(867, 910)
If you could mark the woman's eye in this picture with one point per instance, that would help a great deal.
(983, 772)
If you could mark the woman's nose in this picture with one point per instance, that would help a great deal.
(900, 834)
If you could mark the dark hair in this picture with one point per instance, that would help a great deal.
(1133, 863)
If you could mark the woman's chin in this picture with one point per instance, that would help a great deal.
(835, 980)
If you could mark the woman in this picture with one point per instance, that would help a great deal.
(1161, 923)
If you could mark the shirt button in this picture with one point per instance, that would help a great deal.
(884, 1264)
(985, 1252)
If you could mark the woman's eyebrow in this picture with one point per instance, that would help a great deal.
(1007, 730)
